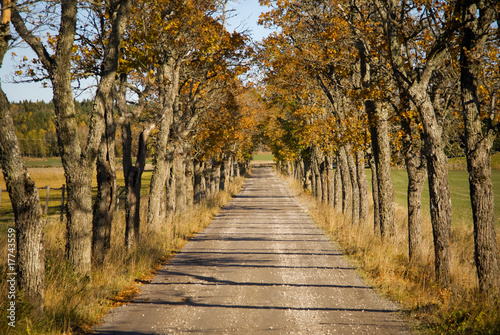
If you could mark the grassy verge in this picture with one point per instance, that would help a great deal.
(74, 303)
(384, 264)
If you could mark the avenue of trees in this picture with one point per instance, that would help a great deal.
(167, 75)
(347, 84)
(385, 82)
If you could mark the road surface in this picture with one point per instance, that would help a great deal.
(261, 267)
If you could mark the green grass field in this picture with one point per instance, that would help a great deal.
(459, 188)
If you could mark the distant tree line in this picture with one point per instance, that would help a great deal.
(36, 129)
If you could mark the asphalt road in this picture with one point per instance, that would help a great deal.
(261, 267)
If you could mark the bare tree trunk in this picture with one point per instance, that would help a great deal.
(180, 182)
(133, 183)
(170, 202)
(330, 175)
(189, 163)
(215, 178)
(337, 189)
(324, 180)
(363, 186)
(415, 166)
(354, 184)
(306, 174)
(439, 190)
(376, 212)
(25, 202)
(226, 170)
(379, 129)
(346, 182)
(104, 205)
(479, 136)
(199, 181)
(169, 77)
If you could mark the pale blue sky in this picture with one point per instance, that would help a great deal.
(246, 16)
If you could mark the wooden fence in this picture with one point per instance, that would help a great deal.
(63, 198)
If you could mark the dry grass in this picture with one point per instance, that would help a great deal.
(384, 264)
(73, 303)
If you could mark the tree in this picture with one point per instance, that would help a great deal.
(78, 164)
(23, 194)
(413, 73)
(480, 132)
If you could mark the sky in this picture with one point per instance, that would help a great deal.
(245, 16)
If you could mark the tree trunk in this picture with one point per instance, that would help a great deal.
(324, 168)
(415, 166)
(376, 201)
(215, 178)
(180, 182)
(363, 186)
(337, 188)
(30, 224)
(199, 181)
(169, 77)
(479, 140)
(439, 190)
(104, 205)
(378, 117)
(189, 164)
(354, 184)
(346, 182)
(170, 202)
(133, 183)
(330, 176)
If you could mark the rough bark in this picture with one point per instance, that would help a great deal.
(415, 166)
(104, 205)
(376, 201)
(354, 184)
(346, 182)
(169, 77)
(439, 190)
(479, 137)
(363, 186)
(180, 182)
(330, 176)
(200, 186)
(215, 178)
(133, 183)
(324, 168)
(189, 163)
(170, 203)
(378, 117)
(23, 194)
(337, 189)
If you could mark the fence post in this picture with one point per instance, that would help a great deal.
(47, 201)
(63, 190)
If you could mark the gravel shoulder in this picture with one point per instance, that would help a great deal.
(261, 267)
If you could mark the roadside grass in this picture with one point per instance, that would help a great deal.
(384, 264)
(73, 303)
